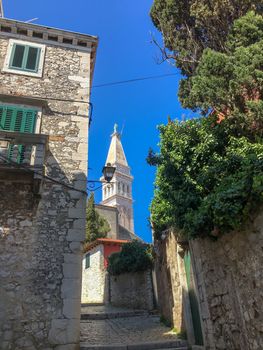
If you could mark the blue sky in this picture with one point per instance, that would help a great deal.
(124, 52)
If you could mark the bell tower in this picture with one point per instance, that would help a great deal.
(118, 193)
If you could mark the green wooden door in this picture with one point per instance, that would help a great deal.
(193, 300)
(14, 118)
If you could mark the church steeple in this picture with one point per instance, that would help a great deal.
(116, 153)
(118, 193)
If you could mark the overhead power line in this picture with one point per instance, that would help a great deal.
(135, 79)
(48, 178)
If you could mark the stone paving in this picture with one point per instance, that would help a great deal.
(102, 309)
(125, 330)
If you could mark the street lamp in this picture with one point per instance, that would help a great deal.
(108, 172)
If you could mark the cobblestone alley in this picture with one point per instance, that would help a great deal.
(116, 328)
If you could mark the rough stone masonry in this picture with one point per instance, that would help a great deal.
(41, 233)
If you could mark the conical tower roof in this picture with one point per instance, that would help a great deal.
(116, 153)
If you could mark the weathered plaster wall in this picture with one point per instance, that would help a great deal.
(229, 277)
(94, 286)
(132, 290)
(41, 238)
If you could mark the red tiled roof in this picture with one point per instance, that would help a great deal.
(108, 241)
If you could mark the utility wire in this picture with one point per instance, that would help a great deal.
(9, 161)
(135, 79)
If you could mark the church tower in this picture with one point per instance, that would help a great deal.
(118, 193)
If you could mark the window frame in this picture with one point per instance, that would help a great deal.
(87, 261)
(37, 123)
(22, 71)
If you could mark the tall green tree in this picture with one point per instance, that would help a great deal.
(210, 170)
(96, 225)
(232, 82)
(190, 26)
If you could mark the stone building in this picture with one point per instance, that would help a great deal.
(95, 286)
(45, 81)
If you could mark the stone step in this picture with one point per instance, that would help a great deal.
(110, 315)
(161, 345)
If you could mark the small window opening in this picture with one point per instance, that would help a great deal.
(82, 43)
(37, 35)
(5, 29)
(21, 31)
(52, 38)
(67, 41)
(87, 261)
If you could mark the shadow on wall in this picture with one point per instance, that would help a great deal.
(176, 291)
(40, 241)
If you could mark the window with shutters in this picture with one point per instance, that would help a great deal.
(24, 58)
(19, 119)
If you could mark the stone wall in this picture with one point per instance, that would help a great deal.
(227, 281)
(168, 281)
(173, 301)
(41, 236)
(94, 286)
(132, 290)
(229, 277)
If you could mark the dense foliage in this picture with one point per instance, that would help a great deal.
(135, 256)
(231, 82)
(96, 225)
(210, 170)
(191, 26)
(208, 181)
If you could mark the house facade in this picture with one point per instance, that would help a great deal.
(45, 81)
(95, 282)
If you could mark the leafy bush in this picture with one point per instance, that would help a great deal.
(208, 181)
(135, 256)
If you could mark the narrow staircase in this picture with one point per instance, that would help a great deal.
(108, 328)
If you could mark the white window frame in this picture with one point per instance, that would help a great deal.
(39, 72)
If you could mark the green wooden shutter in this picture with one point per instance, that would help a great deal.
(13, 118)
(193, 300)
(25, 58)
